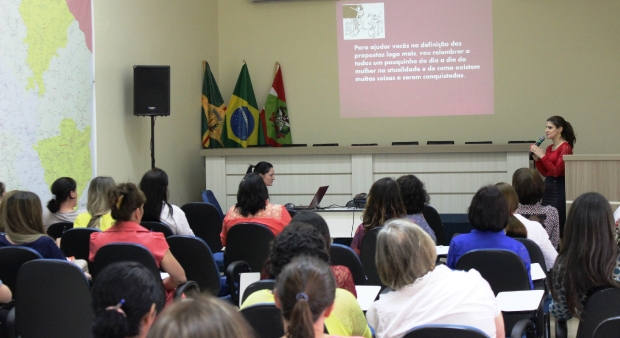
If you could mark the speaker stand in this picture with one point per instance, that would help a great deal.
(152, 142)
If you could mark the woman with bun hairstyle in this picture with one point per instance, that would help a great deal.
(126, 300)
(98, 212)
(126, 202)
(203, 316)
(20, 219)
(61, 208)
(550, 163)
(305, 292)
(589, 258)
(154, 184)
(519, 226)
(265, 170)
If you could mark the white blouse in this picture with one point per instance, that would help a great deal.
(539, 235)
(177, 221)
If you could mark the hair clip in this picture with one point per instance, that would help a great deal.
(302, 296)
(119, 202)
(117, 308)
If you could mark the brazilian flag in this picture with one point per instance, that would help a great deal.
(242, 123)
(213, 111)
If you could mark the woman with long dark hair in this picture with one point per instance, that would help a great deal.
(384, 202)
(550, 163)
(154, 185)
(253, 206)
(415, 198)
(61, 208)
(588, 257)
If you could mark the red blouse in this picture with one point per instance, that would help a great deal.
(552, 164)
(274, 216)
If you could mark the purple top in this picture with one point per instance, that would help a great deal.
(44, 245)
(477, 239)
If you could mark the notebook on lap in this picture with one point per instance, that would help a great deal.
(316, 200)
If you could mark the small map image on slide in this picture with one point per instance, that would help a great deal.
(363, 21)
(46, 94)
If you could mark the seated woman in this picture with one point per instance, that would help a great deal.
(425, 293)
(154, 184)
(383, 203)
(201, 317)
(253, 206)
(98, 213)
(344, 277)
(126, 203)
(589, 257)
(299, 239)
(415, 198)
(265, 170)
(61, 208)
(519, 226)
(530, 188)
(21, 219)
(126, 300)
(304, 290)
(488, 215)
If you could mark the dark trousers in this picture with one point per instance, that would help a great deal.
(555, 196)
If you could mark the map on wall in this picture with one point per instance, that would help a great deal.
(46, 94)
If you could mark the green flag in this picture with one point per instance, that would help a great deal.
(274, 116)
(242, 115)
(213, 111)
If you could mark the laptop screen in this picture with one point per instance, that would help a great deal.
(318, 197)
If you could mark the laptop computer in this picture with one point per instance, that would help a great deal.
(316, 200)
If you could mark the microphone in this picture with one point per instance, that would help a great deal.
(540, 141)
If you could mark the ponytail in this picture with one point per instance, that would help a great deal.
(261, 168)
(124, 199)
(300, 323)
(568, 134)
(250, 169)
(110, 323)
(515, 228)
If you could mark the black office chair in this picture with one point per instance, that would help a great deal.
(12, 258)
(157, 227)
(367, 257)
(265, 284)
(233, 273)
(504, 271)
(76, 242)
(292, 212)
(196, 259)
(344, 255)
(536, 255)
(209, 197)
(610, 327)
(57, 229)
(601, 305)
(122, 252)
(53, 300)
(248, 242)
(265, 319)
(206, 223)
(434, 221)
(445, 331)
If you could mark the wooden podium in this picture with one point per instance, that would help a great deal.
(599, 173)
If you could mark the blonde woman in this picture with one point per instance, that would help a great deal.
(425, 293)
(98, 211)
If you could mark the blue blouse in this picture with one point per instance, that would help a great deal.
(43, 245)
(477, 239)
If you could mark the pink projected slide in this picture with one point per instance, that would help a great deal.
(415, 58)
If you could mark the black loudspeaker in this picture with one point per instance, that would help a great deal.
(151, 90)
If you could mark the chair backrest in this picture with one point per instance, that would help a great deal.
(53, 300)
(610, 327)
(57, 229)
(536, 255)
(600, 305)
(265, 284)
(12, 258)
(209, 197)
(502, 269)
(265, 319)
(206, 223)
(434, 221)
(196, 259)
(76, 242)
(343, 255)
(367, 256)
(123, 252)
(233, 278)
(157, 227)
(249, 242)
(445, 331)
